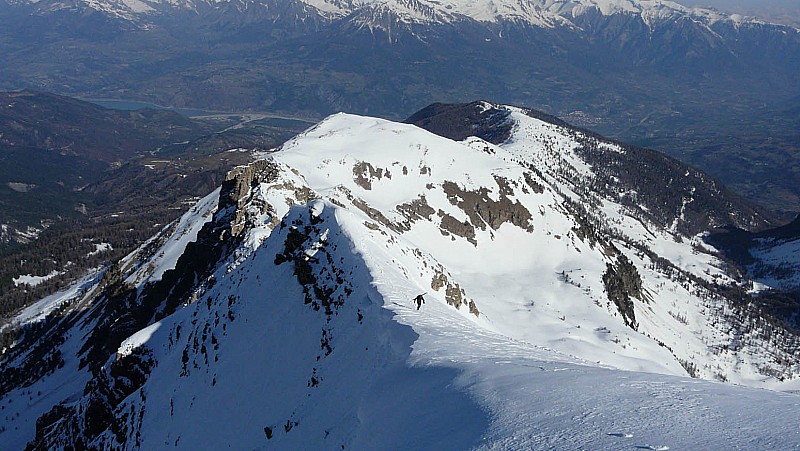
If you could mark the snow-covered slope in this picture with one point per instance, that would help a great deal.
(770, 257)
(170, 244)
(554, 315)
(777, 265)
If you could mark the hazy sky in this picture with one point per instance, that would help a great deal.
(784, 11)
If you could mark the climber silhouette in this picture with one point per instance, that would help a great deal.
(419, 300)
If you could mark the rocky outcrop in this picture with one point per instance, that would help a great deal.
(453, 294)
(236, 191)
(416, 209)
(364, 173)
(483, 210)
(81, 425)
(622, 282)
(451, 225)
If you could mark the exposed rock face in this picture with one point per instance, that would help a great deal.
(452, 225)
(236, 187)
(622, 282)
(483, 211)
(419, 209)
(123, 311)
(377, 216)
(453, 293)
(77, 426)
(364, 173)
(537, 187)
(416, 209)
(324, 286)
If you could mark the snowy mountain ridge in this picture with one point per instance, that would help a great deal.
(289, 315)
(537, 13)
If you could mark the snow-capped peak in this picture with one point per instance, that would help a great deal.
(375, 13)
(541, 13)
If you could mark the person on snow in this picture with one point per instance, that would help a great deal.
(419, 300)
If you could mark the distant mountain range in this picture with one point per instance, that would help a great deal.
(778, 11)
(486, 277)
(716, 90)
(383, 14)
